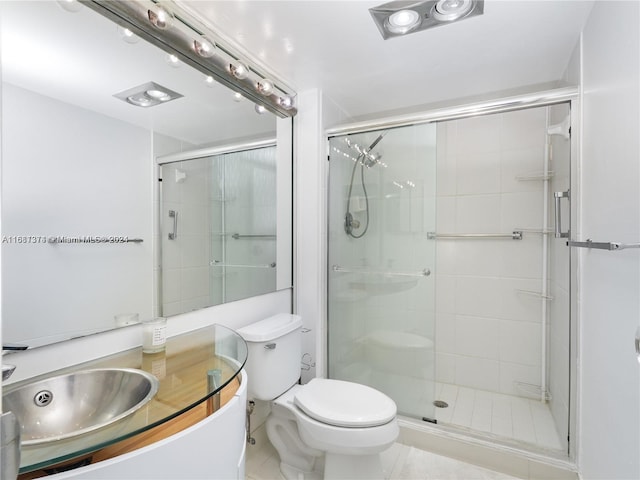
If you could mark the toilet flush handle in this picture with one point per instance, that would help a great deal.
(270, 346)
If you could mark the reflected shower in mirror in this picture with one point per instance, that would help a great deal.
(219, 226)
(80, 196)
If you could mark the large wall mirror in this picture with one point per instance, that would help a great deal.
(85, 219)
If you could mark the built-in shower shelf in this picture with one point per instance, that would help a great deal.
(535, 177)
(534, 294)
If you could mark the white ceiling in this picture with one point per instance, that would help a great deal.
(335, 46)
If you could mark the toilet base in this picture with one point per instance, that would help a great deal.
(292, 473)
(352, 467)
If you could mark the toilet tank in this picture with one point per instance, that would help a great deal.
(274, 352)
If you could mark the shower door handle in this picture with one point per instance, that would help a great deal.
(558, 221)
(174, 234)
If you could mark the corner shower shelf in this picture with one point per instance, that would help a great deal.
(534, 294)
(534, 177)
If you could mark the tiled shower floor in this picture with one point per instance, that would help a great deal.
(505, 416)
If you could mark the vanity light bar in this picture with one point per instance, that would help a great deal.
(167, 26)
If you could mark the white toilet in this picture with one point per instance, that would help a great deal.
(324, 429)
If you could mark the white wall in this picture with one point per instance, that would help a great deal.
(609, 433)
(315, 114)
(60, 178)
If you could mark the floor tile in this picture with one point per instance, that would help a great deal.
(400, 462)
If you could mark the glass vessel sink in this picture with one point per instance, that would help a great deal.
(67, 406)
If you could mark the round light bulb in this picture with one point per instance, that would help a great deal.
(159, 18)
(127, 35)
(286, 102)
(70, 5)
(402, 21)
(260, 109)
(239, 70)
(237, 97)
(173, 60)
(209, 81)
(265, 87)
(204, 47)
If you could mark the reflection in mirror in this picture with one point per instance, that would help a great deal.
(219, 226)
(80, 197)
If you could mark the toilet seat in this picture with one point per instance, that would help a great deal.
(344, 404)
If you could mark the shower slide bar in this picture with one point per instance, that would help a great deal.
(603, 245)
(217, 263)
(515, 235)
(424, 273)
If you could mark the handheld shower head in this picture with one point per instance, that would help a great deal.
(365, 157)
(376, 141)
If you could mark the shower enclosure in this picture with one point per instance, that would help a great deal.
(218, 215)
(448, 284)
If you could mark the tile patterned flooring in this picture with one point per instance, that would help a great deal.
(400, 462)
(505, 416)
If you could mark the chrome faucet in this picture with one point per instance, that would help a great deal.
(7, 370)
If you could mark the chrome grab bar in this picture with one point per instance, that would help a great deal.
(603, 245)
(236, 236)
(217, 263)
(515, 235)
(174, 234)
(424, 273)
(558, 222)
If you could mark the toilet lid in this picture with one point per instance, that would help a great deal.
(344, 404)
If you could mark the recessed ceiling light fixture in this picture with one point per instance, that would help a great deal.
(398, 18)
(148, 95)
(402, 21)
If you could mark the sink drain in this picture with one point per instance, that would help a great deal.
(43, 398)
(440, 404)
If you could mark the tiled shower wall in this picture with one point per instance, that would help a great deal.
(488, 328)
(185, 260)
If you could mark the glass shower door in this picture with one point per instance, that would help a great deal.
(381, 298)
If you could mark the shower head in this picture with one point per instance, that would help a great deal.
(376, 141)
(365, 155)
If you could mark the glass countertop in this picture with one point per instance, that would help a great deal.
(184, 371)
